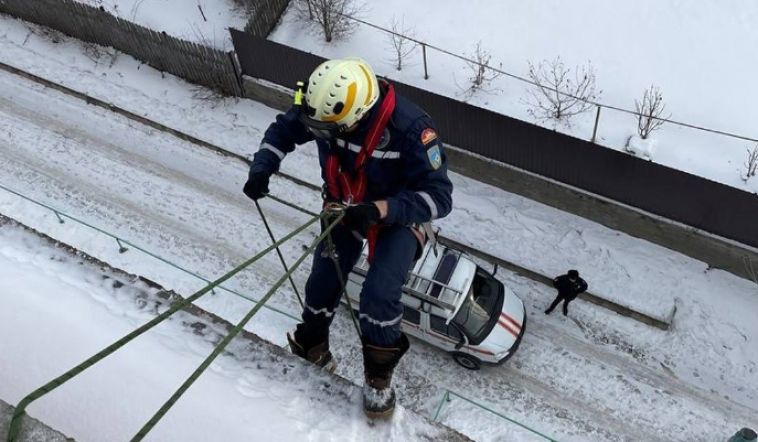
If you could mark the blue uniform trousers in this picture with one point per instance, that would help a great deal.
(380, 309)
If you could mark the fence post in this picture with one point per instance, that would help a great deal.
(445, 398)
(423, 51)
(597, 119)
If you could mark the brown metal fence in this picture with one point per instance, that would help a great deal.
(670, 193)
(196, 63)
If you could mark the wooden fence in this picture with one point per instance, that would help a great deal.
(265, 17)
(196, 63)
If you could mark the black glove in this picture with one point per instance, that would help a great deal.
(361, 216)
(256, 186)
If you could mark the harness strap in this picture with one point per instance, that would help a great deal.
(341, 185)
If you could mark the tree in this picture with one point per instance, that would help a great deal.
(331, 16)
(401, 40)
(560, 94)
(650, 111)
(751, 163)
(481, 74)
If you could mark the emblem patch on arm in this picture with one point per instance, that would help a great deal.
(435, 156)
(428, 135)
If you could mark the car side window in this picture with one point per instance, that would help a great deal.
(438, 324)
(411, 315)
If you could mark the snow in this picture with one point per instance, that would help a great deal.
(641, 148)
(46, 295)
(592, 376)
(631, 44)
(200, 21)
(700, 54)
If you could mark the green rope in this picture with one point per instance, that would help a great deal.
(291, 206)
(15, 425)
(279, 252)
(341, 278)
(502, 416)
(222, 345)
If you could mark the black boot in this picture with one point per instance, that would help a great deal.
(378, 365)
(314, 350)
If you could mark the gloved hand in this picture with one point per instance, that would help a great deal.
(256, 186)
(361, 216)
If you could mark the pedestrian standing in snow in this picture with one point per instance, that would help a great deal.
(381, 157)
(569, 286)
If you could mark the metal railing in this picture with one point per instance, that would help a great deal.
(424, 46)
(122, 244)
(446, 398)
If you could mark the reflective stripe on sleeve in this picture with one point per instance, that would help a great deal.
(273, 149)
(429, 202)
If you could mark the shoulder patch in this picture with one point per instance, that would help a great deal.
(428, 135)
(435, 156)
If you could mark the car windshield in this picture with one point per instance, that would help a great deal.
(482, 306)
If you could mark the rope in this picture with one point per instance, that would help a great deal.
(279, 252)
(15, 425)
(222, 345)
(341, 278)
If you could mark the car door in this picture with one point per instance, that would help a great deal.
(442, 335)
(412, 322)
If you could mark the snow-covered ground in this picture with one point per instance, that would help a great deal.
(700, 54)
(58, 309)
(200, 21)
(595, 376)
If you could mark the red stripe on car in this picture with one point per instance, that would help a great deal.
(508, 326)
(510, 319)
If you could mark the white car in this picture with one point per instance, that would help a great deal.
(455, 305)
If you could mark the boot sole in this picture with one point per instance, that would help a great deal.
(379, 415)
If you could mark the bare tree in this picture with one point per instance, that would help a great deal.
(481, 73)
(401, 40)
(331, 16)
(560, 93)
(100, 54)
(751, 163)
(650, 112)
(135, 9)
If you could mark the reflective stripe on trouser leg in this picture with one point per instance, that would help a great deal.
(381, 309)
(323, 287)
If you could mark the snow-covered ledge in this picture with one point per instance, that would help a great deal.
(32, 430)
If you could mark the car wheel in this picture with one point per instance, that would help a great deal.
(467, 361)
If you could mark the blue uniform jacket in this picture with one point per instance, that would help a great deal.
(408, 167)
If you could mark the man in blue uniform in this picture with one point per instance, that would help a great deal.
(380, 155)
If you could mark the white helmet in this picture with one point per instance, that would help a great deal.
(340, 92)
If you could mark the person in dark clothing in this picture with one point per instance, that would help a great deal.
(569, 286)
(383, 162)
